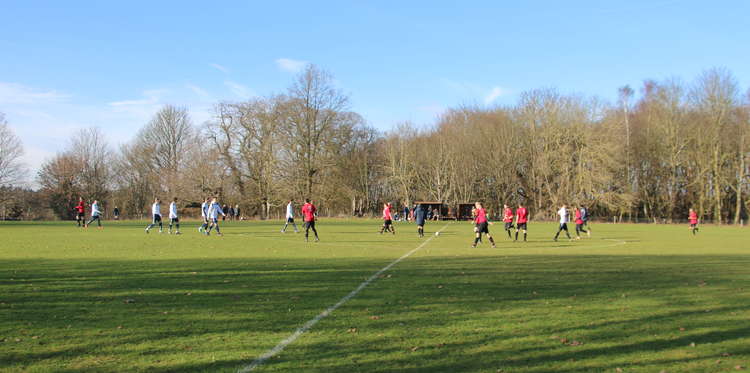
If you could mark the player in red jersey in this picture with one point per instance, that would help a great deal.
(387, 219)
(508, 219)
(481, 224)
(693, 218)
(308, 212)
(80, 210)
(522, 218)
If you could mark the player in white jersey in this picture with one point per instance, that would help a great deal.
(156, 215)
(96, 214)
(214, 210)
(173, 217)
(563, 213)
(204, 215)
(290, 217)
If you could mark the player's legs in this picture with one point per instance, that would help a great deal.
(315, 231)
(477, 238)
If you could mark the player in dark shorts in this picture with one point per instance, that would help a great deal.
(693, 218)
(387, 219)
(563, 214)
(585, 218)
(522, 217)
(419, 217)
(80, 210)
(482, 227)
(308, 212)
(508, 219)
(579, 224)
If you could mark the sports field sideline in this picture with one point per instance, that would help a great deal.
(632, 298)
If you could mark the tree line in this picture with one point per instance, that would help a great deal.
(677, 145)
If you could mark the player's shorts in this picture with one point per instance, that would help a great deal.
(579, 227)
(420, 222)
(508, 225)
(310, 224)
(214, 220)
(174, 220)
(693, 225)
(290, 220)
(80, 215)
(483, 228)
(563, 226)
(387, 222)
(521, 226)
(157, 219)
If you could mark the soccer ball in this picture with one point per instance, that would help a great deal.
(437, 233)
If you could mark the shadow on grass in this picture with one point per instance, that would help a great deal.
(434, 314)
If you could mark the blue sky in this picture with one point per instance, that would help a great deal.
(70, 65)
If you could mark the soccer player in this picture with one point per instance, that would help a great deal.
(481, 223)
(173, 217)
(585, 218)
(213, 216)
(290, 217)
(204, 215)
(522, 218)
(579, 224)
(96, 214)
(387, 219)
(156, 214)
(116, 213)
(80, 210)
(419, 216)
(508, 219)
(563, 213)
(308, 213)
(693, 217)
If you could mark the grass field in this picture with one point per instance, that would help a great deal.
(633, 298)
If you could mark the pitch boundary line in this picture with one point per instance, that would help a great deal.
(309, 324)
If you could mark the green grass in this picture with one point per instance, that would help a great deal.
(642, 298)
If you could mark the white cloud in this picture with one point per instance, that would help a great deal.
(219, 67)
(150, 97)
(290, 65)
(474, 91)
(13, 93)
(239, 90)
(493, 95)
(198, 90)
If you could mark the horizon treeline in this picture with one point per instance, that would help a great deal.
(649, 156)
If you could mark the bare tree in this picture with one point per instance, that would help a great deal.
(12, 171)
(314, 108)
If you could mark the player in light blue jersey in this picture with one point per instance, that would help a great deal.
(156, 215)
(174, 219)
(214, 210)
(96, 214)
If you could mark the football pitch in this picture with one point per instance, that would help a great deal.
(632, 298)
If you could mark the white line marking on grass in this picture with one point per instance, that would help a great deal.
(308, 325)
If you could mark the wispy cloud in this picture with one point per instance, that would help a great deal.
(493, 95)
(150, 97)
(221, 68)
(475, 91)
(290, 65)
(239, 90)
(198, 91)
(13, 93)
